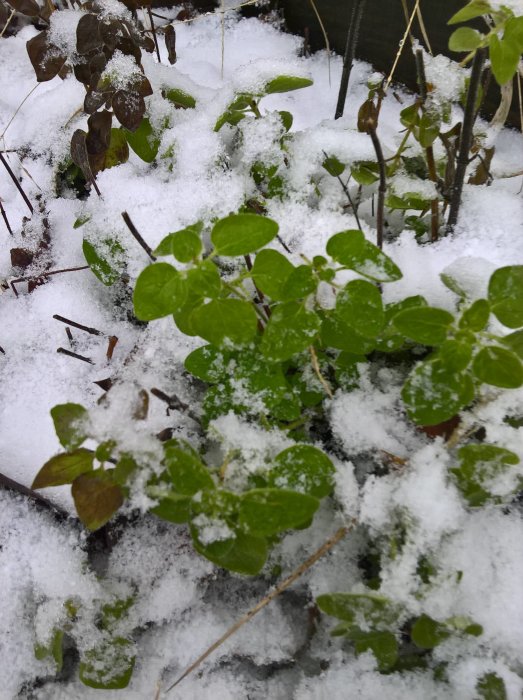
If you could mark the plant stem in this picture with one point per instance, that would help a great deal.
(466, 138)
(382, 191)
(350, 52)
(74, 324)
(132, 228)
(12, 485)
(429, 151)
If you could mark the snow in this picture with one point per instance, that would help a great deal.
(182, 603)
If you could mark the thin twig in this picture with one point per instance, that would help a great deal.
(15, 180)
(80, 326)
(69, 353)
(466, 138)
(351, 202)
(8, 22)
(327, 546)
(401, 45)
(6, 220)
(153, 30)
(325, 36)
(429, 151)
(350, 52)
(175, 404)
(43, 275)
(132, 228)
(316, 366)
(18, 109)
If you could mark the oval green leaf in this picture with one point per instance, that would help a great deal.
(225, 322)
(498, 367)
(160, 290)
(360, 306)
(241, 234)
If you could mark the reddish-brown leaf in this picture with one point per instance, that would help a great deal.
(170, 43)
(21, 257)
(129, 108)
(25, 7)
(88, 36)
(46, 58)
(96, 498)
(99, 133)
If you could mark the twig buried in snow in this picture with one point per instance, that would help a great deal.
(326, 547)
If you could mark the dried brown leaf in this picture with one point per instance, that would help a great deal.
(46, 58)
(88, 36)
(96, 498)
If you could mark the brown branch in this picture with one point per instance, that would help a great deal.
(74, 324)
(153, 30)
(15, 180)
(6, 220)
(14, 486)
(132, 228)
(76, 356)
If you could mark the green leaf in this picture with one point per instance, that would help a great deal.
(505, 294)
(491, 687)
(225, 322)
(108, 666)
(352, 250)
(118, 151)
(55, 650)
(241, 234)
(365, 172)
(246, 555)
(186, 471)
(333, 166)
(499, 367)
(203, 281)
(514, 31)
(160, 290)
(208, 363)
(337, 334)
(287, 119)
(66, 418)
(286, 83)
(452, 284)
(455, 355)
(515, 342)
(426, 325)
(299, 284)
(478, 465)
(291, 329)
(64, 468)
(427, 633)
(465, 39)
(96, 498)
(360, 306)
(476, 317)
(475, 8)
(382, 643)
(143, 141)
(433, 393)
(231, 117)
(358, 608)
(185, 245)
(105, 260)
(81, 220)
(270, 272)
(173, 507)
(428, 128)
(179, 98)
(504, 58)
(347, 371)
(302, 468)
(410, 200)
(265, 512)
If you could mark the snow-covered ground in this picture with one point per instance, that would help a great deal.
(182, 602)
